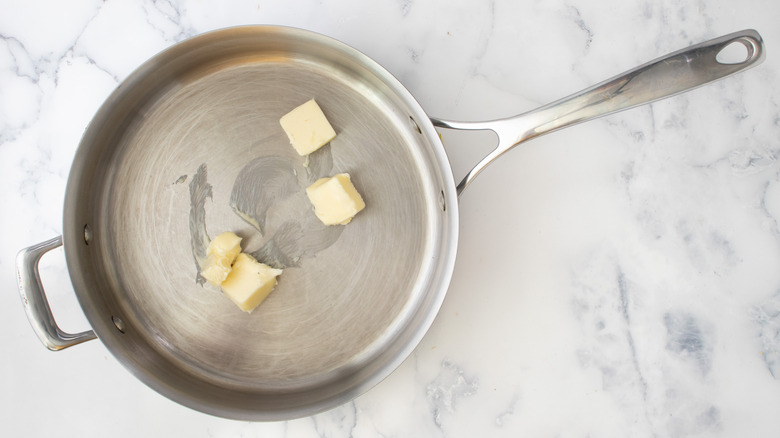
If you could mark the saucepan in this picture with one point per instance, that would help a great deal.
(190, 145)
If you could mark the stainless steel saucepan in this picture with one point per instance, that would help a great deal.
(190, 145)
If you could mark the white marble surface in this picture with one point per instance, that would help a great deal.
(618, 278)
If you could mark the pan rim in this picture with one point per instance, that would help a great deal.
(105, 328)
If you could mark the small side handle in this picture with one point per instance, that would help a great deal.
(36, 305)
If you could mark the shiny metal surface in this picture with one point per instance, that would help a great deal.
(667, 76)
(34, 299)
(182, 147)
(188, 145)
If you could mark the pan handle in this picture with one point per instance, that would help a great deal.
(34, 299)
(667, 76)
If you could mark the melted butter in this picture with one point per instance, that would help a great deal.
(269, 193)
(200, 190)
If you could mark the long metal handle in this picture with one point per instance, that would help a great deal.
(34, 299)
(667, 76)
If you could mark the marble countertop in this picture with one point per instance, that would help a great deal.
(617, 278)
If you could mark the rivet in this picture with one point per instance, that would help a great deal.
(415, 125)
(120, 325)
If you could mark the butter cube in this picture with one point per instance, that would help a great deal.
(335, 199)
(307, 128)
(222, 252)
(249, 282)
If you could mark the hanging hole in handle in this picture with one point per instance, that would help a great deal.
(87, 234)
(736, 52)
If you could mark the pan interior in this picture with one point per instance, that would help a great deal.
(206, 154)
